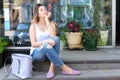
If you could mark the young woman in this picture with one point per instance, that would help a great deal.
(45, 43)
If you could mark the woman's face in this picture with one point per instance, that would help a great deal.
(42, 11)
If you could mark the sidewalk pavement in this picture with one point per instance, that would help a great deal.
(104, 55)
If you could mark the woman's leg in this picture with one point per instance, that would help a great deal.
(57, 49)
(53, 56)
(56, 60)
(51, 68)
(57, 44)
(66, 69)
(38, 55)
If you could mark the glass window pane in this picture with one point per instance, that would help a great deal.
(18, 16)
(105, 23)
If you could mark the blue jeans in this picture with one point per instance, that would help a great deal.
(52, 53)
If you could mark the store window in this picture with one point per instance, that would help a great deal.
(18, 16)
(63, 11)
(105, 23)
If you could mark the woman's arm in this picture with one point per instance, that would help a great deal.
(32, 33)
(51, 25)
(52, 28)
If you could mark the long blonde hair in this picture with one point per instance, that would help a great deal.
(35, 13)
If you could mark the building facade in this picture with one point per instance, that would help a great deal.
(63, 11)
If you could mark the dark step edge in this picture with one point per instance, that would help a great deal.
(90, 61)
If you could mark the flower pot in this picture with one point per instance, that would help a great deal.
(74, 39)
(103, 38)
(91, 44)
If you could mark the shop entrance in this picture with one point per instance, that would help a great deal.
(117, 22)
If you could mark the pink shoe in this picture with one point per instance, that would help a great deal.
(50, 75)
(74, 72)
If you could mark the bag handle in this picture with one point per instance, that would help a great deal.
(5, 69)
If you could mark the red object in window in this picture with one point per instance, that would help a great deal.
(53, 0)
(49, 7)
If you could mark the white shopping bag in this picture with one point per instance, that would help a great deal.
(21, 65)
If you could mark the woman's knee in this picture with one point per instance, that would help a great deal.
(49, 46)
(46, 45)
(39, 57)
(39, 54)
(56, 39)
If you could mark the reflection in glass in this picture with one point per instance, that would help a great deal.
(105, 23)
(7, 19)
(63, 11)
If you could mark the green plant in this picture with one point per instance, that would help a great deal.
(96, 17)
(4, 42)
(90, 33)
(90, 39)
(62, 35)
(96, 14)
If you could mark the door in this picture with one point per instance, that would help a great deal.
(117, 22)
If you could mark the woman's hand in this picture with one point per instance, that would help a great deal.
(51, 42)
(45, 41)
(48, 15)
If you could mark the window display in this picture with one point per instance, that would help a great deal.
(105, 23)
(79, 11)
(64, 11)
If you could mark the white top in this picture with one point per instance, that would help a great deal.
(40, 36)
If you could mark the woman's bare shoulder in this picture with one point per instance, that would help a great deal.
(32, 25)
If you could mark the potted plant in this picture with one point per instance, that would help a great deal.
(4, 42)
(90, 39)
(92, 35)
(74, 34)
(62, 39)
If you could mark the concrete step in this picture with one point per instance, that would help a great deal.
(103, 64)
(85, 60)
(88, 66)
(112, 74)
